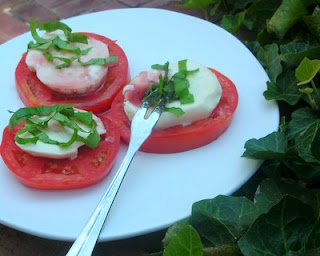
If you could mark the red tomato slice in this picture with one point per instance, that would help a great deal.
(182, 138)
(91, 165)
(34, 93)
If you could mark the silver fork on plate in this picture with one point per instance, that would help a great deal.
(141, 127)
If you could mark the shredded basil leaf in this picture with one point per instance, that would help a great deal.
(37, 119)
(175, 111)
(99, 61)
(44, 44)
(33, 30)
(169, 90)
(54, 25)
(65, 45)
(77, 38)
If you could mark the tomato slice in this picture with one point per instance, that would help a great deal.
(34, 93)
(91, 165)
(182, 138)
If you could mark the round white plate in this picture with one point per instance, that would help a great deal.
(158, 189)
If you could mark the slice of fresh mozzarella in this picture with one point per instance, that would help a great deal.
(60, 133)
(203, 84)
(76, 78)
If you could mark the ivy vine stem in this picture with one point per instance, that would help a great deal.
(312, 102)
(315, 91)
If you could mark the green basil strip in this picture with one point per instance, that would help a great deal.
(175, 111)
(85, 51)
(65, 45)
(33, 30)
(84, 117)
(38, 46)
(25, 113)
(187, 98)
(99, 61)
(23, 141)
(164, 67)
(182, 64)
(66, 62)
(77, 38)
(54, 25)
(36, 127)
(92, 141)
(48, 56)
(45, 44)
(42, 136)
(66, 121)
(180, 86)
(72, 139)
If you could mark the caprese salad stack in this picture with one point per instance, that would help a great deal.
(65, 138)
(200, 105)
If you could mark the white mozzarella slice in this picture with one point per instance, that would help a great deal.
(203, 84)
(60, 133)
(75, 79)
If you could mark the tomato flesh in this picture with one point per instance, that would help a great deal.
(34, 93)
(90, 167)
(182, 138)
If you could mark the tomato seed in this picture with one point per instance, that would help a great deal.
(21, 157)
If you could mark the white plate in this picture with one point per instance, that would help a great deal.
(158, 189)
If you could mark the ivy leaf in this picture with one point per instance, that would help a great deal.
(270, 59)
(304, 171)
(264, 37)
(305, 140)
(307, 70)
(225, 250)
(270, 192)
(223, 220)
(215, 8)
(313, 22)
(301, 120)
(186, 242)
(294, 53)
(232, 23)
(315, 149)
(253, 46)
(260, 11)
(285, 89)
(314, 239)
(267, 195)
(272, 146)
(240, 4)
(284, 228)
(198, 4)
(173, 230)
(288, 14)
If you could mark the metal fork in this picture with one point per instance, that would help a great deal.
(141, 127)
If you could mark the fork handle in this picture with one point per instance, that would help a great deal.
(85, 243)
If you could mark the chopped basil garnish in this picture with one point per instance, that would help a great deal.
(45, 44)
(37, 119)
(169, 90)
(99, 61)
